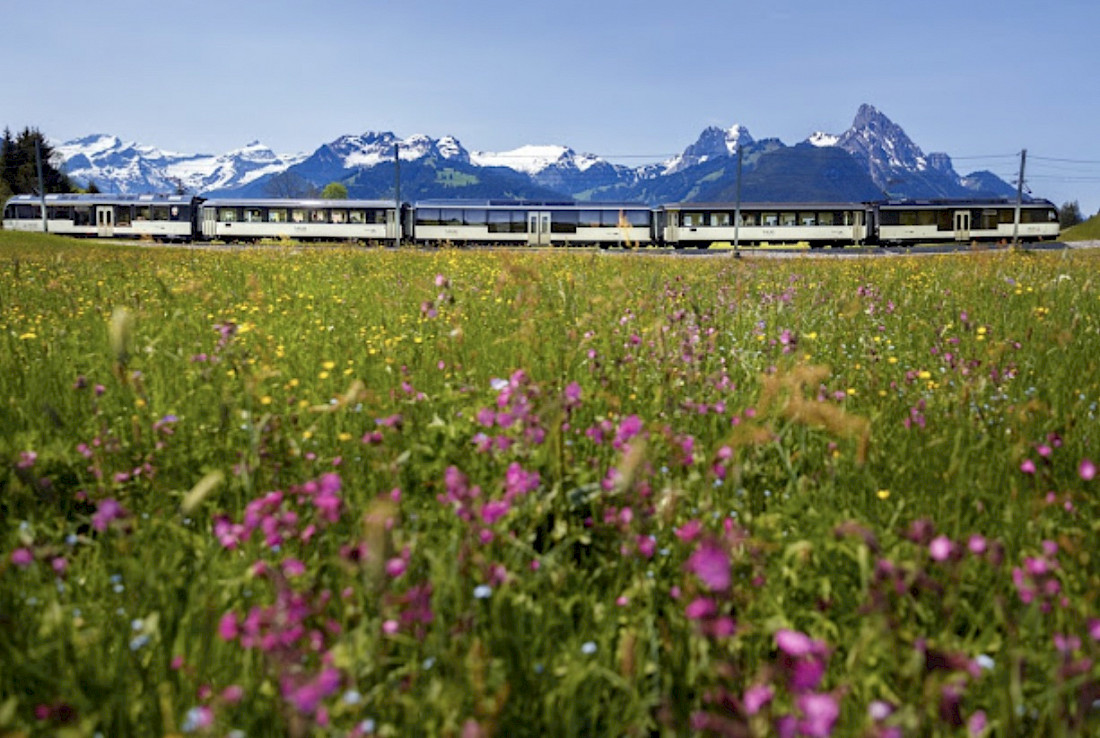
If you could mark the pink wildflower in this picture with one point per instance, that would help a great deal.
(756, 697)
(819, 715)
(1087, 470)
(22, 557)
(940, 548)
(1028, 466)
(712, 565)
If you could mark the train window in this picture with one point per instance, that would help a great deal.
(181, 212)
(378, 217)
(563, 221)
(123, 215)
(160, 212)
(692, 220)
(55, 212)
(357, 216)
(720, 219)
(339, 216)
(276, 215)
(639, 218)
(1036, 215)
(82, 215)
(788, 219)
(807, 219)
(500, 221)
(475, 217)
(427, 216)
(318, 216)
(748, 219)
(142, 212)
(450, 217)
(588, 218)
(826, 219)
(926, 217)
(769, 219)
(253, 215)
(907, 217)
(298, 215)
(227, 215)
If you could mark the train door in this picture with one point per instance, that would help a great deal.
(859, 230)
(962, 225)
(105, 221)
(209, 223)
(393, 225)
(538, 228)
(672, 227)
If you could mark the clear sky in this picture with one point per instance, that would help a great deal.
(617, 78)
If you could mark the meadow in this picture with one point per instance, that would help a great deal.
(349, 492)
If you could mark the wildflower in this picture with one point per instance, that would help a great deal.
(819, 714)
(588, 648)
(699, 608)
(712, 565)
(756, 697)
(976, 724)
(976, 544)
(233, 694)
(227, 626)
(483, 591)
(1087, 470)
(26, 459)
(940, 548)
(22, 557)
(1027, 466)
(197, 718)
(107, 510)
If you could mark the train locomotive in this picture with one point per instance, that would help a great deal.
(185, 218)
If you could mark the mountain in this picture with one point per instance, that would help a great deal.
(899, 168)
(131, 168)
(873, 159)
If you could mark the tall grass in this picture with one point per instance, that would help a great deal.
(314, 492)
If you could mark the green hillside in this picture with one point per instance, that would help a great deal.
(1087, 231)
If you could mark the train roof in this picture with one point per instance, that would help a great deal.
(67, 198)
(549, 204)
(787, 206)
(966, 202)
(276, 202)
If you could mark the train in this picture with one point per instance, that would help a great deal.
(185, 218)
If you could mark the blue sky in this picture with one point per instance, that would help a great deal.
(617, 78)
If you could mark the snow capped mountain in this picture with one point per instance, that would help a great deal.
(820, 139)
(132, 168)
(713, 142)
(882, 158)
(535, 159)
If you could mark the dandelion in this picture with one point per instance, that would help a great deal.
(883, 494)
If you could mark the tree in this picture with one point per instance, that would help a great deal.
(335, 191)
(1069, 214)
(18, 164)
(92, 188)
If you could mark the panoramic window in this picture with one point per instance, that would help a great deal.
(450, 217)
(357, 216)
(82, 216)
(788, 219)
(693, 220)
(253, 215)
(475, 217)
(427, 216)
(749, 219)
(318, 216)
(339, 216)
(160, 212)
(123, 215)
(588, 218)
(807, 219)
(276, 215)
(769, 219)
(142, 212)
(826, 219)
(563, 221)
(298, 215)
(227, 215)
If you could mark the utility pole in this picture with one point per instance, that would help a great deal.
(737, 208)
(41, 182)
(1019, 199)
(397, 194)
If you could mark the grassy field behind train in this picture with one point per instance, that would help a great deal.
(334, 491)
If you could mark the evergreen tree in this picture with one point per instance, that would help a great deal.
(1069, 214)
(18, 164)
(7, 148)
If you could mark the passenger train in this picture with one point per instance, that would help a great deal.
(534, 223)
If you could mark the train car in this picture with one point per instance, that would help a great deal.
(816, 224)
(368, 221)
(157, 217)
(906, 222)
(532, 223)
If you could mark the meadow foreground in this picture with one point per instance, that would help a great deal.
(352, 492)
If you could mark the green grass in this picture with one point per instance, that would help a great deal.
(337, 491)
(1087, 231)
